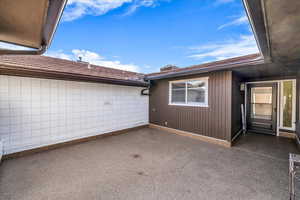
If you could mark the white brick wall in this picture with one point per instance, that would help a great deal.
(38, 112)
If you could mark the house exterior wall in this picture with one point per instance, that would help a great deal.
(213, 121)
(38, 112)
(237, 100)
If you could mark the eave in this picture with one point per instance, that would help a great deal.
(38, 73)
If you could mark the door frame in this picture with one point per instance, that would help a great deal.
(293, 107)
(274, 120)
(278, 100)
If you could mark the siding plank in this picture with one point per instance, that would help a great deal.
(214, 121)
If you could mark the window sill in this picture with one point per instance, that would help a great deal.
(189, 105)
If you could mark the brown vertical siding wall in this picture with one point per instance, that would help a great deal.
(213, 121)
(237, 100)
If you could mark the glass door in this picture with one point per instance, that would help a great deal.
(261, 103)
(262, 108)
(288, 105)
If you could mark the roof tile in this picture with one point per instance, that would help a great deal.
(211, 65)
(50, 64)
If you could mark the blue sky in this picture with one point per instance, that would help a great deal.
(144, 35)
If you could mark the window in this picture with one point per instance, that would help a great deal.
(261, 103)
(192, 92)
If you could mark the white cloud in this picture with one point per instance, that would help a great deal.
(142, 3)
(79, 8)
(93, 58)
(236, 22)
(58, 54)
(244, 45)
(97, 59)
(8, 46)
(217, 2)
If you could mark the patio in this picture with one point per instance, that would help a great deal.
(152, 164)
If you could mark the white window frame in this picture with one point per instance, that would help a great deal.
(205, 104)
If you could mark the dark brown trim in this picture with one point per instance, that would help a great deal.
(67, 76)
(256, 16)
(223, 65)
(273, 78)
(72, 142)
(237, 99)
(297, 141)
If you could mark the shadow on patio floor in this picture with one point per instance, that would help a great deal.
(267, 145)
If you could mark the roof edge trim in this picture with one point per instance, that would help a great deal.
(248, 13)
(15, 68)
(217, 67)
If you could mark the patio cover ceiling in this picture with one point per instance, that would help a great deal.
(30, 23)
(268, 71)
(276, 24)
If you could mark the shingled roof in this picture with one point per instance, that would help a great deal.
(32, 64)
(48, 67)
(207, 67)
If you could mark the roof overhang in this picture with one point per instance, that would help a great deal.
(276, 25)
(29, 23)
(268, 71)
(211, 67)
(15, 70)
(255, 15)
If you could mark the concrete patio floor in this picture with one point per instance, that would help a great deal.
(152, 164)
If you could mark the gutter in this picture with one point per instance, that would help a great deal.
(146, 91)
(247, 9)
(256, 14)
(217, 67)
(49, 34)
